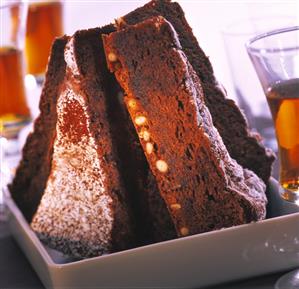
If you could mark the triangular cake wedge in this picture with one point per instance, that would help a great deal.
(243, 145)
(82, 207)
(203, 188)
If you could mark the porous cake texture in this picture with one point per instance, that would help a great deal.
(202, 186)
(242, 144)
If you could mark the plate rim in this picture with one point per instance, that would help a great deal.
(13, 209)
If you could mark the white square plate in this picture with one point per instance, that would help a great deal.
(191, 262)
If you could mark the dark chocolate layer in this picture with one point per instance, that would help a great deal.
(244, 146)
(203, 188)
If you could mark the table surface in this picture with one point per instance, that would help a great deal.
(17, 273)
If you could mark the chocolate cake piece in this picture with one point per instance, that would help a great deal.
(243, 145)
(81, 206)
(202, 187)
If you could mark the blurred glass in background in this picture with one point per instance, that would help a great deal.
(249, 92)
(44, 24)
(28, 29)
(14, 111)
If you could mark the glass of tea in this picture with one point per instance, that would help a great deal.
(275, 57)
(44, 23)
(249, 93)
(14, 112)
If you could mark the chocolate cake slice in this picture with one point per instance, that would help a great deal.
(202, 187)
(243, 145)
(69, 184)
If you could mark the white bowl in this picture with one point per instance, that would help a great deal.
(204, 259)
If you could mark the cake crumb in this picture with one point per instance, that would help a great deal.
(149, 148)
(175, 206)
(132, 103)
(140, 120)
(145, 135)
(162, 166)
(184, 231)
(112, 57)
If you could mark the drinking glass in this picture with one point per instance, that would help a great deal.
(14, 111)
(44, 23)
(249, 93)
(275, 57)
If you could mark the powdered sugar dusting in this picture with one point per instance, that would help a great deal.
(75, 214)
(69, 57)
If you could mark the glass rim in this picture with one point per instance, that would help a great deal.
(11, 3)
(252, 40)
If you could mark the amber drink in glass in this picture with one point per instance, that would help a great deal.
(275, 56)
(44, 23)
(14, 112)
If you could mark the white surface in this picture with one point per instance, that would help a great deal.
(190, 262)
